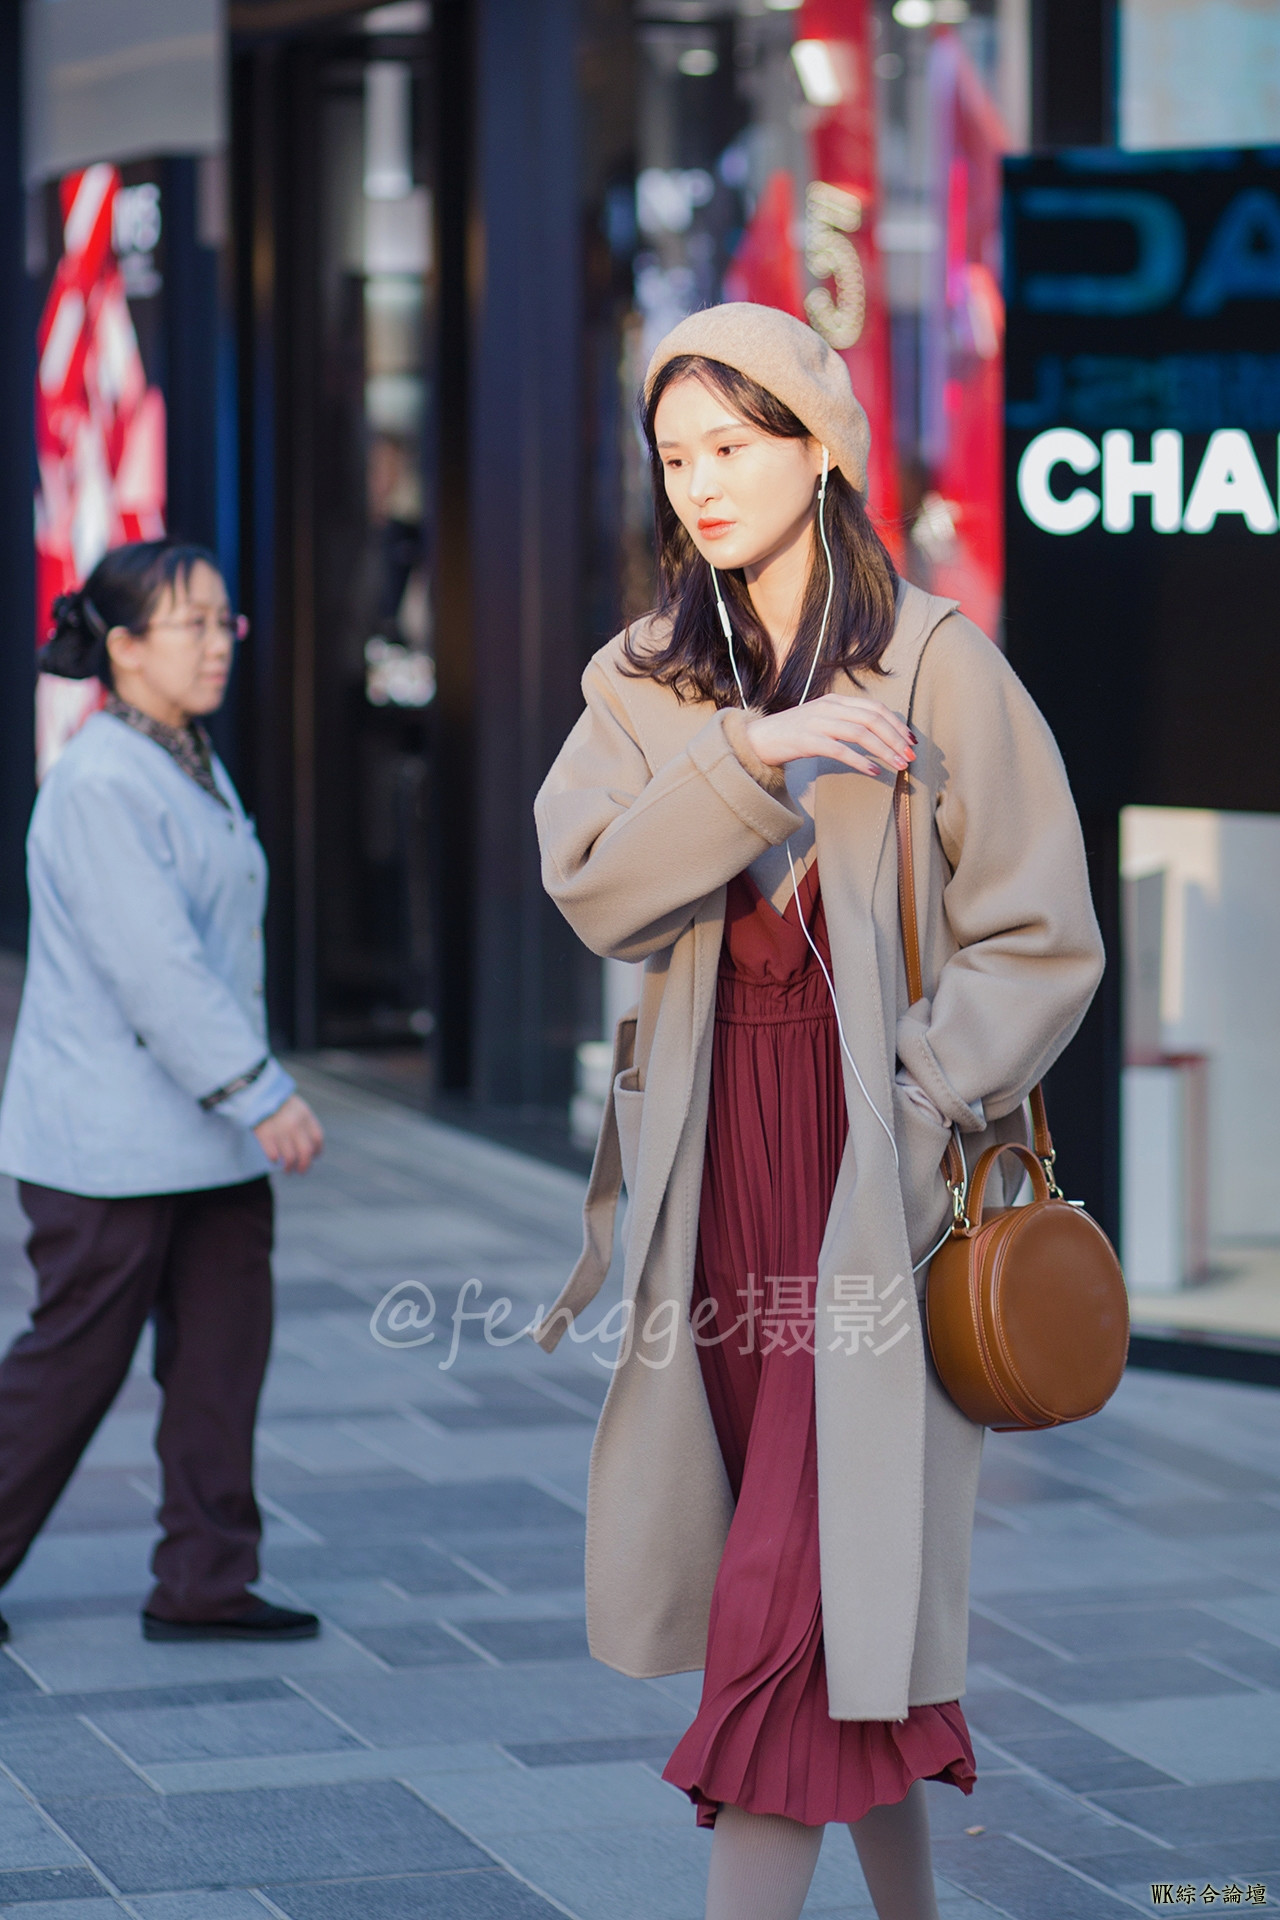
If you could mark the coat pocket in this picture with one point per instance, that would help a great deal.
(921, 1142)
(628, 1107)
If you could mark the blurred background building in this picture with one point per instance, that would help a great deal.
(361, 297)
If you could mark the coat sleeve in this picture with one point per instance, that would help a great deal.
(113, 869)
(1017, 902)
(627, 852)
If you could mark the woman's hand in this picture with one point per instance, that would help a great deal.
(291, 1136)
(839, 726)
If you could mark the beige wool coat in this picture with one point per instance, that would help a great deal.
(648, 811)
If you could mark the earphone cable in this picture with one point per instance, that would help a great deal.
(727, 628)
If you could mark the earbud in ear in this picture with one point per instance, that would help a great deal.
(826, 462)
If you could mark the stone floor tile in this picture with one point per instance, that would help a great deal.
(684, 1688)
(102, 1908)
(1261, 1665)
(28, 1841)
(547, 1451)
(1144, 1630)
(837, 1885)
(503, 1402)
(102, 1500)
(636, 1873)
(604, 1795)
(1254, 1557)
(123, 1658)
(1001, 1712)
(1205, 1519)
(653, 1748)
(548, 1701)
(477, 1895)
(1241, 1811)
(358, 1515)
(1013, 1480)
(315, 1295)
(188, 1905)
(320, 1446)
(1161, 1677)
(1133, 1871)
(1020, 1883)
(329, 1769)
(113, 1700)
(1207, 1465)
(1002, 1563)
(1017, 1803)
(1256, 1612)
(421, 1644)
(1084, 1763)
(222, 1732)
(1230, 1737)
(1211, 1590)
(1004, 1647)
(15, 1682)
(530, 1568)
(248, 1838)
(57, 1758)
(953, 1904)
(411, 1564)
(357, 1604)
(61, 1566)
(512, 1640)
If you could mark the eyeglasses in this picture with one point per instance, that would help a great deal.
(232, 627)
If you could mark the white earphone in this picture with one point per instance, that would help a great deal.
(727, 629)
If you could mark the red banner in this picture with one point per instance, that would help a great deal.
(99, 427)
(814, 254)
(961, 525)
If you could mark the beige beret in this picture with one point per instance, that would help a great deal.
(790, 361)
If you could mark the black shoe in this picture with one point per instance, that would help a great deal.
(262, 1621)
(4, 1629)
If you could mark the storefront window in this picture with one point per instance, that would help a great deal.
(1200, 1199)
(373, 531)
(840, 160)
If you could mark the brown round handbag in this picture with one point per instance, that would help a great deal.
(1026, 1307)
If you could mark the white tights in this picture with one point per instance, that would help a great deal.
(761, 1864)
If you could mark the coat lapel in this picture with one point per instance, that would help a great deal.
(869, 1361)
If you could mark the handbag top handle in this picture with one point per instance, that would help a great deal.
(952, 1159)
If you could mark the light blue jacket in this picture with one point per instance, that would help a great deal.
(144, 985)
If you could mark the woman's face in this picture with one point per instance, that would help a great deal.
(743, 496)
(179, 666)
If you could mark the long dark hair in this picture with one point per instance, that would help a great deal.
(122, 591)
(695, 660)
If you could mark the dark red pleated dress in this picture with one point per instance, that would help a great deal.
(763, 1738)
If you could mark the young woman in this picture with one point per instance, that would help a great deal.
(780, 1490)
(143, 1106)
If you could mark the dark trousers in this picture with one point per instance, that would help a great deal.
(199, 1265)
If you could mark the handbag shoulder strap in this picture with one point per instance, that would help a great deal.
(953, 1160)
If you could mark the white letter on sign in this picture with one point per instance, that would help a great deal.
(1229, 481)
(1060, 446)
(1123, 478)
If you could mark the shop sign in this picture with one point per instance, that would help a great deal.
(1142, 468)
(1146, 299)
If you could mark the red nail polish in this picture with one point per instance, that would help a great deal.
(915, 740)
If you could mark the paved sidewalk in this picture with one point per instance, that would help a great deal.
(447, 1749)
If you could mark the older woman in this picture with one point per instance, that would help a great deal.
(143, 1106)
(781, 1492)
